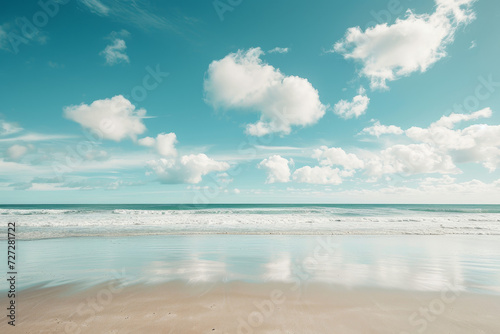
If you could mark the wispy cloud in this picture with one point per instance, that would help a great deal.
(35, 137)
(54, 64)
(7, 128)
(134, 12)
(96, 7)
(278, 50)
(3, 38)
(14, 33)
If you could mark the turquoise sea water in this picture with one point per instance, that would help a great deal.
(409, 247)
(52, 221)
(469, 208)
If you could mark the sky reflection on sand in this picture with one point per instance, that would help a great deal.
(417, 263)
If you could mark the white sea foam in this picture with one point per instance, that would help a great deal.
(50, 223)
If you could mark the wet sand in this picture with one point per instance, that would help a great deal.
(237, 307)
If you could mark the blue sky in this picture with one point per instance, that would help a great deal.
(250, 101)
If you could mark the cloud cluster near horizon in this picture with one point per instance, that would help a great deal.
(436, 149)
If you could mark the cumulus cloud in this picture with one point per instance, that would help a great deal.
(437, 150)
(354, 108)
(114, 53)
(336, 156)
(147, 141)
(188, 169)
(438, 147)
(411, 159)
(242, 80)
(7, 128)
(114, 118)
(317, 175)
(378, 129)
(476, 143)
(164, 144)
(277, 168)
(414, 43)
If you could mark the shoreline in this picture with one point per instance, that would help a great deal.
(270, 233)
(20, 236)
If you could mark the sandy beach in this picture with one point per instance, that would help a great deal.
(258, 284)
(238, 307)
(241, 283)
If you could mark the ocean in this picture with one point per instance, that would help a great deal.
(406, 247)
(71, 220)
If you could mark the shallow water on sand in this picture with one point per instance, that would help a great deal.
(415, 263)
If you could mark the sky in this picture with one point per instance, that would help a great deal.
(234, 101)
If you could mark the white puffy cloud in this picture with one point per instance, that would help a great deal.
(432, 181)
(437, 150)
(317, 175)
(7, 128)
(277, 168)
(164, 144)
(325, 174)
(355, 108)
(335, 156)
(414, 43)
(114, 53)
(410, 159)
(16, 152)
(188, 169)
(114, 118)
(242, 80)
(378, 129)
(475, 143)
(147, 141)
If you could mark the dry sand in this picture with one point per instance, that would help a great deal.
(238, 307)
